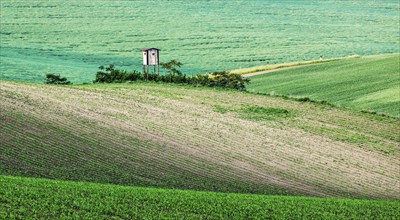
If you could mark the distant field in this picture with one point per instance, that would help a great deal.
(259, 69)
(370, 83)
(169, 136)
(74, 37)
(52, 199)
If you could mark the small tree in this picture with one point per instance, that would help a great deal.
(56, 79)
(172, 66)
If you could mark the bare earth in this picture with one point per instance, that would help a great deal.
(319, 151)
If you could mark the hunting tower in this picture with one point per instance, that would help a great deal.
(151, 58)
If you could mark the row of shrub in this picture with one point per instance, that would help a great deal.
(217, 79)
(56, 79)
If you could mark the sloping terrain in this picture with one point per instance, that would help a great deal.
(23, 198)
(149, 134)
(368, 83)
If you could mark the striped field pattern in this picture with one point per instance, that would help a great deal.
(170, 136)
(369, 83)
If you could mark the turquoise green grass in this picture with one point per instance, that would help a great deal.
(369, 83)
(29, 198)
(73, 37)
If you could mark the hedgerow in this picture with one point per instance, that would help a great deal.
(56, 79)
(216, 79)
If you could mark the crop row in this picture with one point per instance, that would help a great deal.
(170, 136)
(187, 113)
(73, 152)
(367, 84)
(30, 198)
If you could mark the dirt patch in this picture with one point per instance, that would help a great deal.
(187, 131)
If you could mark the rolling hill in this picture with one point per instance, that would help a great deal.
(369, 83)
(181, 137)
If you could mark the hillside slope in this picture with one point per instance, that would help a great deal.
(368, 83)
(168, 136)
(53, 199)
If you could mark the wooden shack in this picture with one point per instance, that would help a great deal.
(150, 58)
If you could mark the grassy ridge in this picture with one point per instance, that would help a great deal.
(51, 199)
(150, 134)
(282, 65)
(368, 83)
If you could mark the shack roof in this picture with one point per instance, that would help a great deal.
(151, 48)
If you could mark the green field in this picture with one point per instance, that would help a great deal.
(74, 37)
(29, 198)
(368, 83)
(183, 137)
(163, 151)
(318, 141)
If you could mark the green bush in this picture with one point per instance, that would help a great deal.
(110, 74)
(56, 79)
(229, 80)
(220, 79)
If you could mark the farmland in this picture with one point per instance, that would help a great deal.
(369, 83)
(320, 140)
(182, 137)
(54, 199)
(73, 38)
